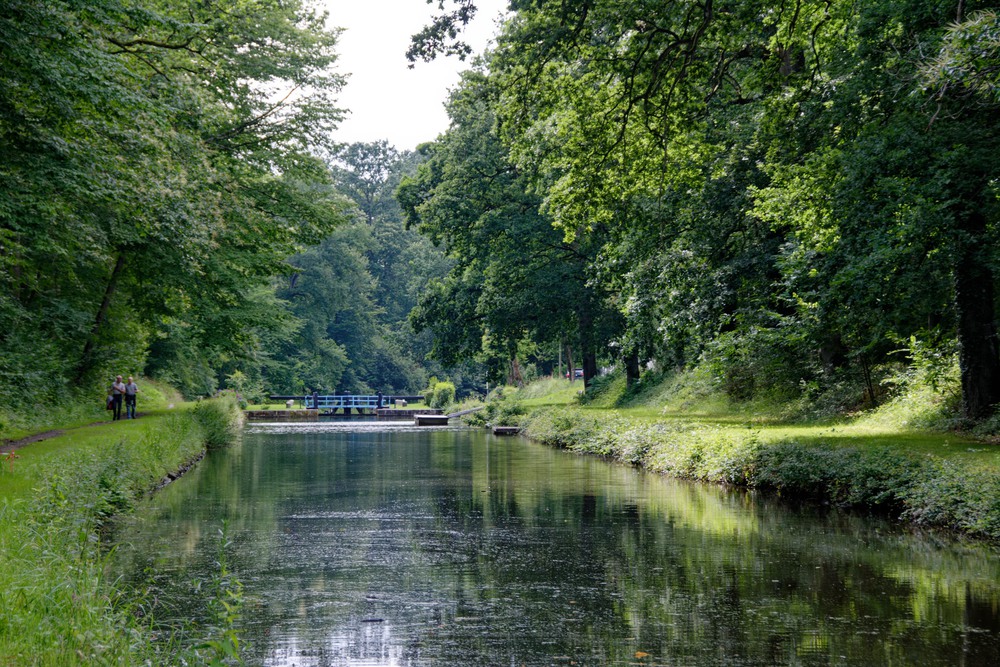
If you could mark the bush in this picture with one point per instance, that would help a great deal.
(872, 478)
(958, 498)
(759, 359)
(441, 395)
(500, 409)
(221, 420)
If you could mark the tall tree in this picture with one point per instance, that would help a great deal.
(158, 166)
(515, 278)
(777, 178)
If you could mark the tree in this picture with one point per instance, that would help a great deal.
(775, 181)
(352, 293)
(515, 277)
(155, 177)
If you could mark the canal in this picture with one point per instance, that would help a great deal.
(366, 544)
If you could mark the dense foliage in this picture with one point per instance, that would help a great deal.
(787, 193)
(159, 164)
(172, 203)
(518, 287)
(352, 293)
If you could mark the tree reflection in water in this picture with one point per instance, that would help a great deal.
(359, 545)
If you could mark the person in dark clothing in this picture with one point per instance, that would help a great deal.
(117, 392)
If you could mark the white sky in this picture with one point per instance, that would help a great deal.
(385, 98)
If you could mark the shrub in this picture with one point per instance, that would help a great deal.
(500, 409)
(249, 390)
(924, 490)
(220, 419)
(958, 498)
(441, 395)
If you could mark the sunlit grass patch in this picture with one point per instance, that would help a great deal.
(550, 391)
(890, 458)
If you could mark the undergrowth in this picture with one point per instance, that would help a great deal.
(953, 494)
(502, 407)
(221, 420)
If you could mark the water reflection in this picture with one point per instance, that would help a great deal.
(362, 544)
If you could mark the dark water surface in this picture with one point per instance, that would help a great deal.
(362, 545)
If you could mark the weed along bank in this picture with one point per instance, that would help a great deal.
(875, 462)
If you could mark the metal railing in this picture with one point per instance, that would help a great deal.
(346, 401)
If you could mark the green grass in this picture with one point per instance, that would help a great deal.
(56, 497)
(273, 406)
(549, 391)
(890, 458)
(35, 462)
(82, 408)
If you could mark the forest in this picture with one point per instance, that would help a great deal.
(794, 197)
(174, 205)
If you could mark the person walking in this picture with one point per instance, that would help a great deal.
(131, 389)
(117, 392)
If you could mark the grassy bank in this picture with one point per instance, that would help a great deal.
(56, 498)
(899, 458)
(78, 409)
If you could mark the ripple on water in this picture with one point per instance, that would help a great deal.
(380, 543)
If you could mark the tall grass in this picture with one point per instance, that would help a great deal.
(58, 605)
(221, 420)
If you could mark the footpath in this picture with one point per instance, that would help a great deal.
(59, 494)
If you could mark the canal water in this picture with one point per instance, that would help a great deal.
(365, 544)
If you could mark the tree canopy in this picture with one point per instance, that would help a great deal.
(159, 164)
(787, 193)
(783, 194)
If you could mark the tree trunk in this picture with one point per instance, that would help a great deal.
(631, 369)
(978, 356)
(589, 366)
(866, 374)
(587, 345)
(515, 378)
(569, 363)
(102, 315)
